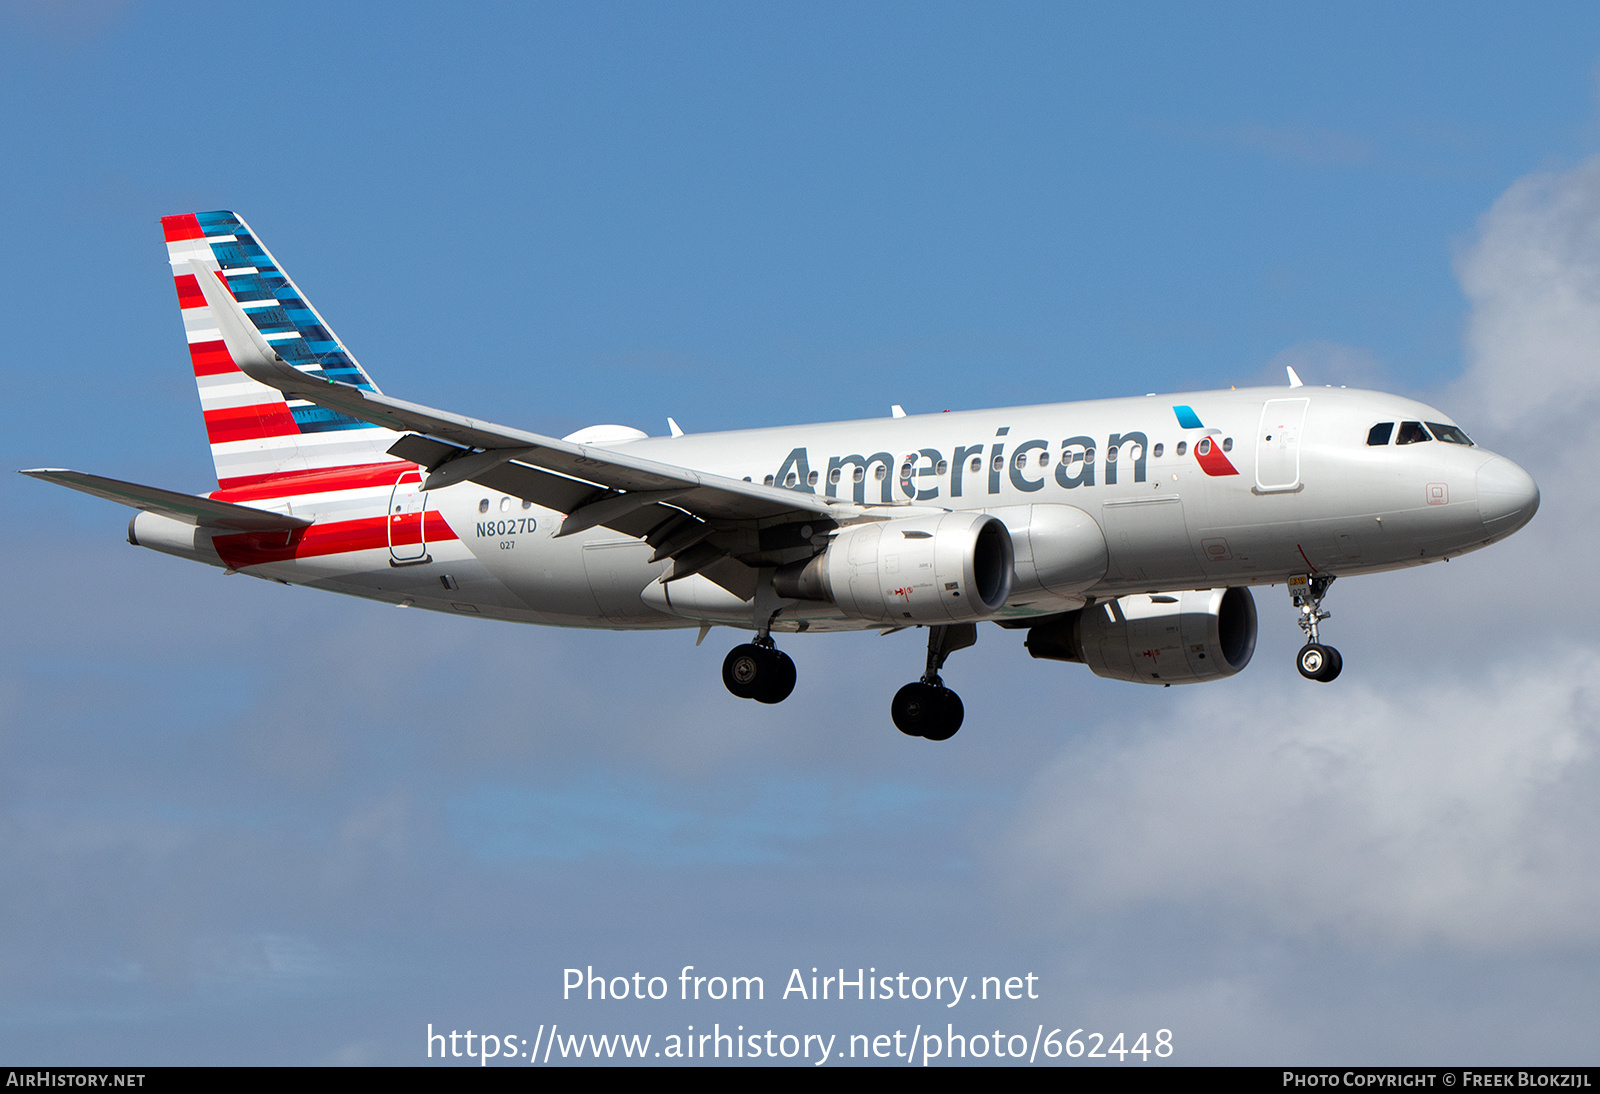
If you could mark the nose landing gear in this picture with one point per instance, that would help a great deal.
(1315, 661)
(927, 708)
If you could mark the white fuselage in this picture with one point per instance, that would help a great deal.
(1288, 484)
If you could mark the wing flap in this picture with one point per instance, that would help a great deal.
(188, 508)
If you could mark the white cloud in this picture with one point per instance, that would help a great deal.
(1532, 275)
(1461, 812)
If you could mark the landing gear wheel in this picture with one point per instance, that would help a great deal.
(779, 681)
(742, 670)
(1319, 662)
(950, 717)
(927, 710)
(758, 672)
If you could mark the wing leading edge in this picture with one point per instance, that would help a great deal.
(676, 509)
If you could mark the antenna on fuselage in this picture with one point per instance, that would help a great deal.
(1294, 378)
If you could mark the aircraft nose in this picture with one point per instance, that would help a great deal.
(1507, 496)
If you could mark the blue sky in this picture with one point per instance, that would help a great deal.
(243, 823)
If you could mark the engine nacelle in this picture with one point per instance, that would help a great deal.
(941, 568)
(1183, 638)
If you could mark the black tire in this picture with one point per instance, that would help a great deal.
(950, 716)
(778, 682)
(744, 670)
(923, 710)
(1317, 662)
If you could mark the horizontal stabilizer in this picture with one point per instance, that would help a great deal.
(169, 503)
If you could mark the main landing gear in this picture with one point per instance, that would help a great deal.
(1315, 661)
(927, 708)
(759, 670)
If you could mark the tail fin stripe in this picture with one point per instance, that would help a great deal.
(184, 226)
(189, 292)
(248, 423)
(322, 481)
(211, 359)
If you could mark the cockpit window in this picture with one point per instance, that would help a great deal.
(1412, 433)
(1379, 434)
(1450, 434)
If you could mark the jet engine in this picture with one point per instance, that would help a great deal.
(1183, 638)
(936, 569)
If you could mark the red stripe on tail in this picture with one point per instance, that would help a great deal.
(183, 226)
(211, 358)
(189, 295)
(284, 484)
(249, 423)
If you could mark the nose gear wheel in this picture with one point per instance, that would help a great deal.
(1315, 661)
(1319, 662)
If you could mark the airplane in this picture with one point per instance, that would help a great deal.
(1122, 534)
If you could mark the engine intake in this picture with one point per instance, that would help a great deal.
(1183, 638)
(943, 568)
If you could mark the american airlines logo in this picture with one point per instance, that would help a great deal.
(983, 469)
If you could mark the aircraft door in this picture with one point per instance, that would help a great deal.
(1278, 444)
(408, 538)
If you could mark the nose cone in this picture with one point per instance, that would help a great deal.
(1507, 497)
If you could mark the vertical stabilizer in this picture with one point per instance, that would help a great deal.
(256, 434)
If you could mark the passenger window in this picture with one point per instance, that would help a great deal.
(505, 504)
(860, 475)
(905, 470)
(1111, 454)
(1450, 434)
(1227, 444)
(880, 472)
(1157, 450)
(1412, 433)
(811, 479)
(1183, 446)
(767, 481)
(1204, 447)
(526, 504)
(1378, 435)
(976, 465)
(941, 467)
(790, 479)
(483, 506)
(835, 474)
(1044, 459)
(999, 462)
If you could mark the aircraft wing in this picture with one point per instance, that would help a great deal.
(169, 503)
(593, 486)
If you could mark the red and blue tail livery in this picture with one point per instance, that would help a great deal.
(255, 432)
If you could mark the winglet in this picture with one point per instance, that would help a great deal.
(1294, 378)
(677, 430)
(249, 350)
(897, 411)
